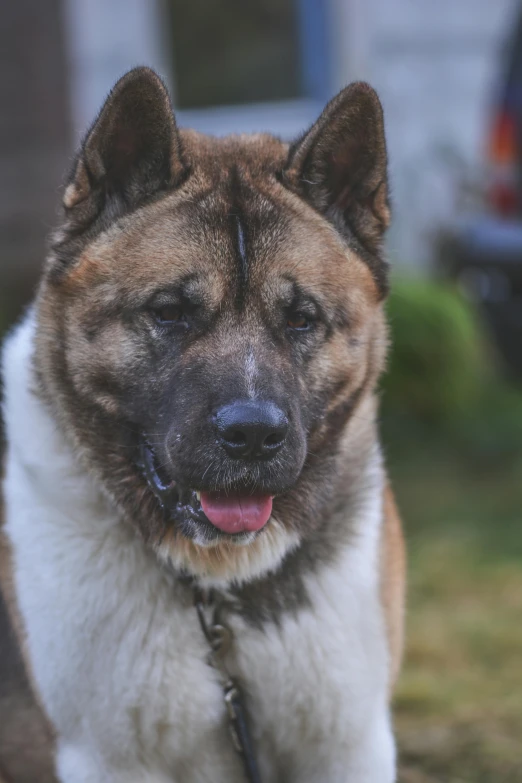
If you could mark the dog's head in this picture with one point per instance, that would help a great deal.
(210, 316)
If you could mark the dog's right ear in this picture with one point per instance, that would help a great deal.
(132, 150)
(340, 165)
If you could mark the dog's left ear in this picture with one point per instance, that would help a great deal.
(132, 150)
(340, 165)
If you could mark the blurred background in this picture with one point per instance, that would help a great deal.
(450, 78)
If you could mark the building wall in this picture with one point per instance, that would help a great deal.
(434, 63)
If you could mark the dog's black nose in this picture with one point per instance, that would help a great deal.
(251, 429)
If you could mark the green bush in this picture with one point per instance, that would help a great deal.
(438, 360)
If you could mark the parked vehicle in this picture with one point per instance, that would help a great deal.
(484, 251)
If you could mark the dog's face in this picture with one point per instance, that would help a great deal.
(210, 317)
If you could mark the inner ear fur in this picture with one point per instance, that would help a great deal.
(340, 165)
(132, 150)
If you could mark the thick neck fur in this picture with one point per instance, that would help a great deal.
(354, 481)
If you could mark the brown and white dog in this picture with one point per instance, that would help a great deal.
(190, 401)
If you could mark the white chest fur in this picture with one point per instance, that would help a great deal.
(119, 658)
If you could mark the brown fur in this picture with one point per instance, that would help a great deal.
(393, 581)
(244, 229)
(76, 315)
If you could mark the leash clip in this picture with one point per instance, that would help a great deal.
(231, 696)
(218, 636)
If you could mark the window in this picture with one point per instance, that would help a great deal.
(235, 52)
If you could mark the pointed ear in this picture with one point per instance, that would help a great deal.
(132, 150)
(340, 165)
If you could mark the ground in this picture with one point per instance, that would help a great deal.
(458, 706)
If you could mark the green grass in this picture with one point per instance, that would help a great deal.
(458, 706)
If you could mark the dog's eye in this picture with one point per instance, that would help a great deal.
(168, 314)
(299, 322)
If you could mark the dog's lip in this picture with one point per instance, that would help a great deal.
(163, 488)
(171, 496)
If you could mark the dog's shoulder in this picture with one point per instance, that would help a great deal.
(26, 741)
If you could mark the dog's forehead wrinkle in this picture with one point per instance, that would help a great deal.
(242, 250)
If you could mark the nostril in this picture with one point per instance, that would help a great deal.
(274, 439)
(236, 438)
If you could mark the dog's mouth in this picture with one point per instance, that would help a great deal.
(232, 514)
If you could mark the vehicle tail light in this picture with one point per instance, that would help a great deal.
(504, 194)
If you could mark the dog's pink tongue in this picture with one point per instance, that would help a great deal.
(237, 514)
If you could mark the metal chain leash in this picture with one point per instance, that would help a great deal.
(219, 638)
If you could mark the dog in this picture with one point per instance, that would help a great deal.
(190, 410)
